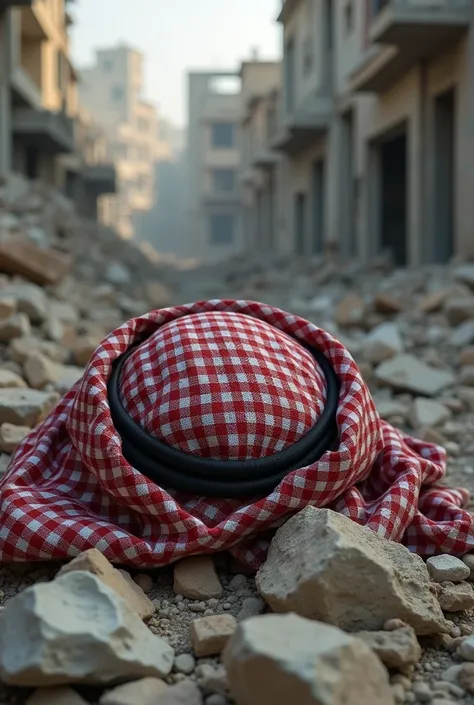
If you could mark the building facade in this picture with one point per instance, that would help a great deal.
(370, 138)
(111, 90)
(414, 152)
(375, 128)
(88, 175)
(261, 167)
(214, 228)
(38, 87)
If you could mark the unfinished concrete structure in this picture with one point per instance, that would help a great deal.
(38, 87)
(88, 175)
(261, 167)
(376, 127)
(111, 90)
(214, 207)
(415, 137)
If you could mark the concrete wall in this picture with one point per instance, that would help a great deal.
(132, 127)
(206, 105)
(352, 188)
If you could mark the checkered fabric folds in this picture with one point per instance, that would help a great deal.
(224, 380)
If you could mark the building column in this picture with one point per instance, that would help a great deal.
(5, 97)
(333, 216)
(464, 243)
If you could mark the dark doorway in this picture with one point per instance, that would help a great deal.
(260, 220)
(348, 216)
(444, 174)
(300, 223)
(32, 163)
(271, 210)
(394, 187)
(318, 207)
(70, 184)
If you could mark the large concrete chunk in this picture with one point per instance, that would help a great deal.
(276, 660)
(324, 566)
(95, 562)
(409, 373)
(75, 629)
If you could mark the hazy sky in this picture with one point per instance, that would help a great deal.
(177, 35)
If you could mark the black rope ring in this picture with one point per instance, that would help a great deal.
(210, 477)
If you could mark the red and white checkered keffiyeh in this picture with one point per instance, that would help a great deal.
(220, 379)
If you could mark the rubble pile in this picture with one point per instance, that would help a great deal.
(336, 614)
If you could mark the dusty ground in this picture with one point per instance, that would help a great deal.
(174, 614)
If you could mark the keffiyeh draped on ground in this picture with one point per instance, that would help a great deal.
(217, 384)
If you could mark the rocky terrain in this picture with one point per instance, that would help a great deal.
(353, 619)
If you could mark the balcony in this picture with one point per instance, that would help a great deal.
(287, 8)
(35, 22)
(380, 68)
(302, 127)
(221, 198)
(100, 178)
(43, 129)
(25, 89)
(4, 4)
(424, 24)
(265, 159)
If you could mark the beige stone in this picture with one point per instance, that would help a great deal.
(21, 349)
(455, 597)
(466, 375)
(196, 578)
(16, 326)
(459, 309)
(386, 304)
(432, 435)
(432, 302)
(29, 299)
(209, 635)
(158, 294)
(55, 696)
(427, 413)
(466, 677)
(146, 691)
(9, 379)
(76, 629)
(7, 307)
(382, 343)
(25, 407)
(407, 372)
(84, 348)
(11, 436)
(447, 567)
(39, 265)
(95, 562)
(277, 660)
(314, 555)
(184, 693)
(144, 581)
(350, 311)
(466, 356)
(40, 371)
(397, 648)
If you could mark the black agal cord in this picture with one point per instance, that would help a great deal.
(173, 469)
